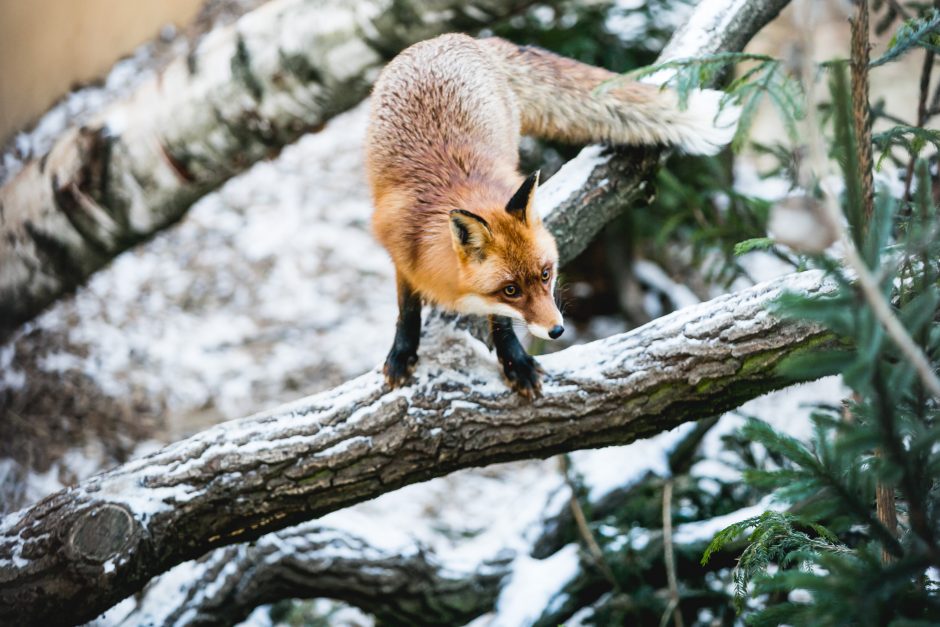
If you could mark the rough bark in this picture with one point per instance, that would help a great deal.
(248, 90)
(400, 585)
(81, 550)
(558, 530)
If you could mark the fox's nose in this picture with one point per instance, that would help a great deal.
(556, 331)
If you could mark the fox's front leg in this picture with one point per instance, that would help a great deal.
(401, 360)
(520, 368)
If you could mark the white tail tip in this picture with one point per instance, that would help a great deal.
(705, 127)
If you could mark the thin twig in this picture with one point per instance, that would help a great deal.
(887, 512)
(833, 214)
(923, 113)
(861, 112)
(884, 493)
(581, 522)
(900, 10)
(670, 559)
(934, 102)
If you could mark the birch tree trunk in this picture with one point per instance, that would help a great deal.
(247, 91)
(79, 551)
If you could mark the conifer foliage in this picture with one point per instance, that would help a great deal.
(858, 540)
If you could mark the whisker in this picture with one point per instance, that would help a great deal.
(561, 297)
(519, 324)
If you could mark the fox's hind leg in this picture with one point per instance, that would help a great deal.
(520, 368)
(401, 360)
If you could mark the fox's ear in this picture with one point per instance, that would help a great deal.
(522, 203)
(470, 234)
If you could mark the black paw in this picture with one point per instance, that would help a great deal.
(398, 366)
(523, 374)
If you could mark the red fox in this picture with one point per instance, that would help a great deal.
(451, 207)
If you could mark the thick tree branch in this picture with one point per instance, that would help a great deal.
(247, 91)
(79, 551)
(401, 585)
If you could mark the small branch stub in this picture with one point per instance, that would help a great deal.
(102, 533)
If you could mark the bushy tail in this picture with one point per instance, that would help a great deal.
(559, 99)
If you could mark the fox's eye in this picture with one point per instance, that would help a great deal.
(546, 275)
(511, 291)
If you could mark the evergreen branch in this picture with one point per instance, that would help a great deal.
(910, 34)
(719, 60)
(813, 472)
(912, 485)
(775, 538)
(864, 278)
(922, 112)
(911, 138)
(669, 558)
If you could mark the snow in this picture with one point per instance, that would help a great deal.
(288, 242)
(533, 585)
(29, 486)
(705, 530)
(162, 595)
(631, 24)
(652, 275)
(144, 504)
(749, 182)
(461, 517)
(604, 470)
(694, 38)
(10, 378)
(82, 104)
(568, 179)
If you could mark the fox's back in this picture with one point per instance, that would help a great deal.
(440, 109)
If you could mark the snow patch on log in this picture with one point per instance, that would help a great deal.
(698, 36)
(570, 178)
(534, 584)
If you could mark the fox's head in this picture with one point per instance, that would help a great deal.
(509, 263)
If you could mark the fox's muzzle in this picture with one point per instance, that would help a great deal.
(550, 331)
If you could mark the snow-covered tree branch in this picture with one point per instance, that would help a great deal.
(247, 91)
(88, 547)
(400, 582)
